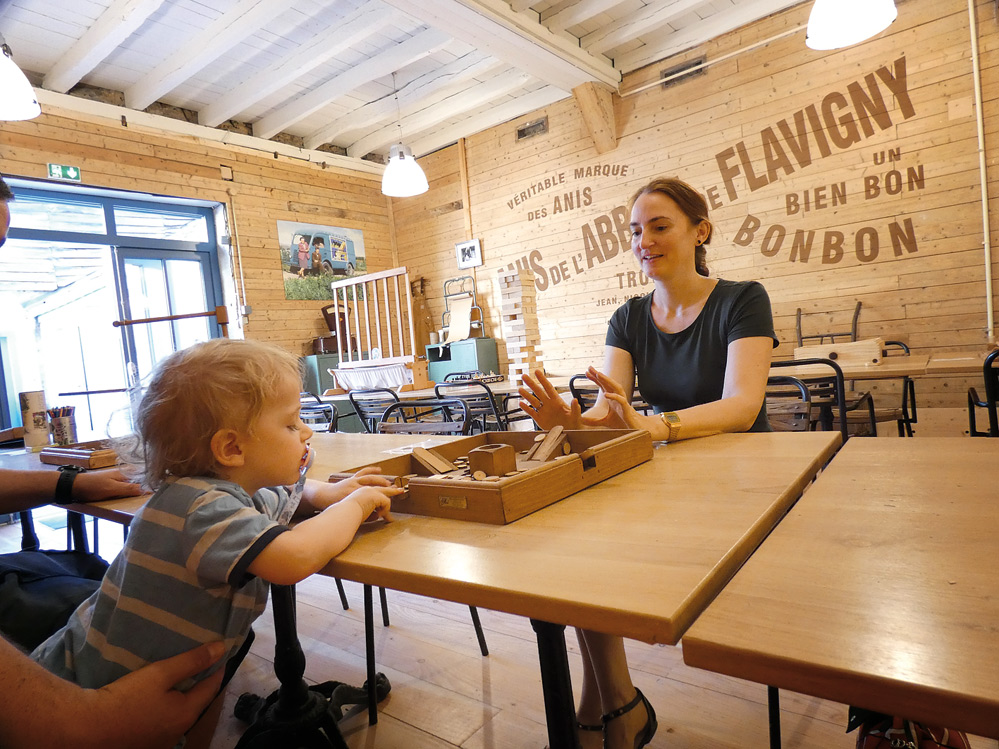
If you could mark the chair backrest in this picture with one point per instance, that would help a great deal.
(991, 374)
(850, 334)
(789, 404)
(584, 390)
(320, 416)
(828, 388)
(426, 416)
(369, 405)
(479, 399)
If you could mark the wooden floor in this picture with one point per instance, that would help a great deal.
(445, 694)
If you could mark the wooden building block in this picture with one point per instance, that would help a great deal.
(432, 460)
(494, 460)
(551, 445)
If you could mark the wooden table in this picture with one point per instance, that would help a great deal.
(879, 589)
(639, 555)
(501, 389)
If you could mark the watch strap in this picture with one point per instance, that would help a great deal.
(672, 422)
(64, 485)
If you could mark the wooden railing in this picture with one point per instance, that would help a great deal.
(381, 318)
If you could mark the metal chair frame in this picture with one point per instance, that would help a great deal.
(990, 373)
(480, 401)
(320, 416)
(426, 416)
(851, 334)
(370, 404)
(789, 404)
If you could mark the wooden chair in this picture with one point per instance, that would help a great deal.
(369, 405)
(828, 393)
(850, 334)
(990, 373)
(789, 404)
(486, 414)
(321, 417)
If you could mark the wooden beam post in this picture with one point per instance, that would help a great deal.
(596, 105)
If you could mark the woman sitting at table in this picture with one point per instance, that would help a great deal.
(701, 348)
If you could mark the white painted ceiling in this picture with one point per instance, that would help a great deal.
(323, 70)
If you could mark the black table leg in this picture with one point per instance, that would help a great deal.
(773, 710)
(560, 710)
(369, 652)
(29, 539)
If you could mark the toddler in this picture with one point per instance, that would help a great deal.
(221, 443)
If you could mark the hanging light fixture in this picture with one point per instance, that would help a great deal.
(403, 177)
(17, 98)
(842, 23)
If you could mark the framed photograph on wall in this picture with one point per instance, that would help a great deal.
(469, 254)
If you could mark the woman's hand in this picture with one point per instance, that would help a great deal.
(616, 412)
(540, 401)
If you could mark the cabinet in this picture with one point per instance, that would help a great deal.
(468, 355)
(315, 378)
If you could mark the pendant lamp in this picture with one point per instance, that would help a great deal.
(841, 23)
(403, 177)
(17, 98)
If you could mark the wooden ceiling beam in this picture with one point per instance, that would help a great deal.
(497, 115)
(698, 34)
(577, 13)
(428, 86)
(431, 116)
(367, 20)
(492, 26)
(641, 23)
(113, 27)
(596, 105)
(397, 56)
(224, 33)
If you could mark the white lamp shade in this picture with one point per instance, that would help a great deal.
(403, 177)
(841, 23)
(17, 97)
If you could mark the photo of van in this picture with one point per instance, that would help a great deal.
(334, 253)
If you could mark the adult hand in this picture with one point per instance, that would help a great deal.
(93, 486)
(540, 401)
(143, 708)
(619, 412)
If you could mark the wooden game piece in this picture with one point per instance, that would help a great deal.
(492, 478)
(551, 444)
(479, 475)
(433, 461)
(512, 473)
(534, 448)
(494, 459)
(566, 448)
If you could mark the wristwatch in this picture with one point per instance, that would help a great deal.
(64, 486)
(672, 422)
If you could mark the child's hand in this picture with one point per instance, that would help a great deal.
(370, 476)
(319, 495)
(375, 501)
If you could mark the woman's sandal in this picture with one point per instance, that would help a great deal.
(645, 735)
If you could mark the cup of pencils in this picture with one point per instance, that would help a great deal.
(63, 425)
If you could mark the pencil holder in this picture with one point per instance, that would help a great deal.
(64, 430)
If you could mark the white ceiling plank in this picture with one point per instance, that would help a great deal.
(466, 101)
(113, 27)
(698, 34)
(578, 13)
(647, 20)
(228, 30)
(414, 48)
(455, 73)
(364, 22)
(495, 116)
(517, 38)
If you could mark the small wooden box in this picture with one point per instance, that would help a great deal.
(94, 454)
(594, 455)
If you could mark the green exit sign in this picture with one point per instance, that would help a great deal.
(59, 171)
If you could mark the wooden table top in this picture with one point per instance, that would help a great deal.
(892, 367)
(879, 589)
(334, 452)
(638, 555)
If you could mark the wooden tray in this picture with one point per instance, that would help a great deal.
(594, 455)
(94, 454)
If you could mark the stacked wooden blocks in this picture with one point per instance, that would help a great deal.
(519, 310)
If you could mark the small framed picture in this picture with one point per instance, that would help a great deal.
(469, 254)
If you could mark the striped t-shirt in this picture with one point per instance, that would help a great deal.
(181, 580)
